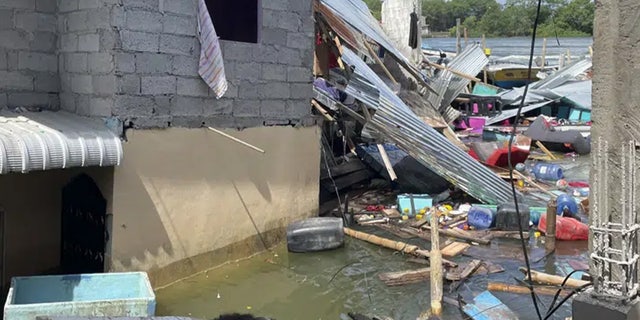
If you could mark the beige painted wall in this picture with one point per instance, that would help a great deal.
(185, 192)
(32, 206)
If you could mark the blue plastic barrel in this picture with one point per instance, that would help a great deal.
(480, 218)
(548, 171)
(566, 201)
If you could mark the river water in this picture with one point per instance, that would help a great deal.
(289, 286)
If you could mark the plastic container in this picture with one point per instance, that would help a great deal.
(420, 201)
(315, 234)
(566, 202)
(566, 228)
(126, 294)
(507, 219)
(481, 218)
(548, 171)
(477, 124)
(535, 213)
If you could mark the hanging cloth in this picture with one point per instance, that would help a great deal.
(211, 67)
(413, 31)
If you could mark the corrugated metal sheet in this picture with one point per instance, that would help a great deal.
(562, 76)
(396, 122)
(448, 86)
(506, 114)
(357, 14)
(32, 141)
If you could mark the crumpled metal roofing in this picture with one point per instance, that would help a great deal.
(539, 90)
(506, 114)
(357, 14)
(32, 141)
(448, 86)
(399, 124)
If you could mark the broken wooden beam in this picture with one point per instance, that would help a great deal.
(454, 249)
(400, 278)
(460, 234)
(505, 287)
(468, 269)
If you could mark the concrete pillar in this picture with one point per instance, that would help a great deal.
(615, 130)
(395, 22)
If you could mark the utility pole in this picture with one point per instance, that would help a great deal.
(458, 48)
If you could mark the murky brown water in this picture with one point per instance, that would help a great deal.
(288, 286)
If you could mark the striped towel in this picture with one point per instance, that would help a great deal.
(211, 67)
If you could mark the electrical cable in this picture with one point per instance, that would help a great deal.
(577, 290)
(555, 297)
(509, 160)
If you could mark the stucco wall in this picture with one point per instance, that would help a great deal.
(28, 60)
(395, 22)
(32, 207)
(183, 193)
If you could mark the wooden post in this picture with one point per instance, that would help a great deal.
(568, 56)
(458, 49)
(591, 51)
(484, 49)
(544, 51)
(435, 258)
(550, 237)
(466, 37)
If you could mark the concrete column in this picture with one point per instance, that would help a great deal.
(395, 22)
(617, 123)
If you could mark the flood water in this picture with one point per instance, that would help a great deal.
(294, 286)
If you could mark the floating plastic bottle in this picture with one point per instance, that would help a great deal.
(548, 171)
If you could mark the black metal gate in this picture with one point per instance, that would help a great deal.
(83, 227)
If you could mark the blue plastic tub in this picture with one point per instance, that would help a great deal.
(481, 218)
(420, 201)
(105, 294)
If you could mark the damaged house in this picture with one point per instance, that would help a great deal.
(107, 160)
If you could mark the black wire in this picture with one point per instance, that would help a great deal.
(555, 297)
(513, 186)
(577, 290)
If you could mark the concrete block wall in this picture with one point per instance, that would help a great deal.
(28, 61)
(156, 62)
(85, 56)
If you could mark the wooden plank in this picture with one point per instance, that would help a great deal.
(436, 265)
(454, 249)
(392, 213)
(545, 278)
(379, 62)
(545, 150)
(460, 234)
(322, 111)
(387, 162)
(486, 306)
(488, 267)
(405, 277)
(463, 272)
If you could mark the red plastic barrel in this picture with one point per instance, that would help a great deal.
(566, 228)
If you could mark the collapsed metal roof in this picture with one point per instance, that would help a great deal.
(32, 141)
(396, 122)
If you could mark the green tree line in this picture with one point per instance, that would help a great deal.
(564, 18)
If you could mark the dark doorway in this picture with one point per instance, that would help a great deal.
(236, 20)
(84, 233)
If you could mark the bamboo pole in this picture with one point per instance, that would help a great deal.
(568, 56)
(378, 61)
(550, 236)
(544, 52)
(236, 140)
(505, 287)
(541, 277)
(436, 267)
(395, 245)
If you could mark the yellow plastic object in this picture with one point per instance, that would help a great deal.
(537, 234)
(448, 207)
(418, 217)
(405, 217)
(423, 211)
(406, 210)
(487, 51)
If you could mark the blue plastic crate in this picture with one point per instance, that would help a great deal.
(420, 201)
